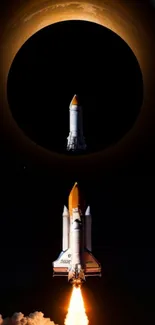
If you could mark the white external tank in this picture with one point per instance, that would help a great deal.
(76, 242)
(74, 120)
(81, 122)
(88, 229)
(65, 229)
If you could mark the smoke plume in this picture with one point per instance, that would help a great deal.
(36, 318)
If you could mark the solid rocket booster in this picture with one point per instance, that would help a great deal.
(76, 260)
(65, 229)
(75, 140)
(88, 223)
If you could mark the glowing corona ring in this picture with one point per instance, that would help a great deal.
(131, 20)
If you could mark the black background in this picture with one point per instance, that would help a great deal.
(121, 199)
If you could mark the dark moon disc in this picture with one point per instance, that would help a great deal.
(75, 57)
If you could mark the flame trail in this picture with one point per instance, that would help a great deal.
(76, 312)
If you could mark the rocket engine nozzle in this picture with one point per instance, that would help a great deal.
(77, 282)
(76, 277)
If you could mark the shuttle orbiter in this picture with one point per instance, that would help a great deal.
(76, 260)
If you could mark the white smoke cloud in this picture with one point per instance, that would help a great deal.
(36, 318)
(1, 319)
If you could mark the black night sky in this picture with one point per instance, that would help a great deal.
(57, 62)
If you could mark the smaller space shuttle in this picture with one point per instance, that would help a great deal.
(75, 140)
(76, 260)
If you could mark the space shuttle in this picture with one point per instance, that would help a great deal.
(75, 141)
(76, 260)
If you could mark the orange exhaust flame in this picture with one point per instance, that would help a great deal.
(76, 312)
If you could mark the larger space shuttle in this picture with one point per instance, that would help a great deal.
(76, 260)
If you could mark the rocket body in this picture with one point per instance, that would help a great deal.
(75, 140)
(76, 260)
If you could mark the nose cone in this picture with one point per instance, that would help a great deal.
(75, 101)
(87, 213)
(65, 212)
(76, 200)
